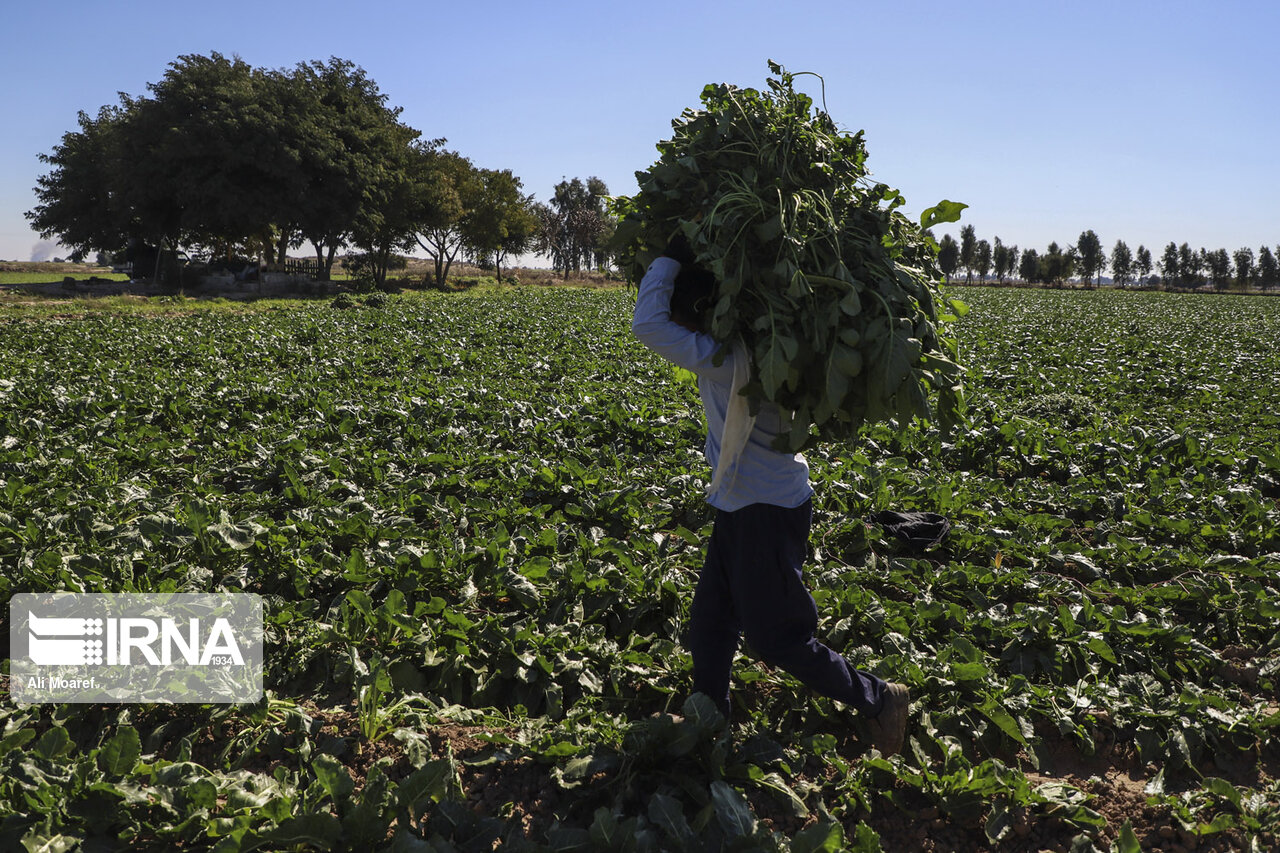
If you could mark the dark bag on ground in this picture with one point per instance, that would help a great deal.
(919, 531)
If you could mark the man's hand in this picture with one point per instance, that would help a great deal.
(678, 249)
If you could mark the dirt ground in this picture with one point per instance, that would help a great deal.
(1115, 781)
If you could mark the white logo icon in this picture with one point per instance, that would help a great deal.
(62, 641)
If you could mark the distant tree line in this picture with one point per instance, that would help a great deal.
(1179, 266)
(224, 160)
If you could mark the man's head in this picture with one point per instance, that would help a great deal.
(692, 298)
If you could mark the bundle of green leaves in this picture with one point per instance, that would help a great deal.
(834, 291)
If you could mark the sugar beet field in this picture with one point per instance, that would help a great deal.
(477, 519)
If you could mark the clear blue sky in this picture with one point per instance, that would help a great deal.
(1144, 121)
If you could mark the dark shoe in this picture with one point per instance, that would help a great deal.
(889, 727)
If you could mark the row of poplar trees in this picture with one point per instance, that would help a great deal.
(1178, 265)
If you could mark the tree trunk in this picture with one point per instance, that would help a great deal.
(448, 264)
(328, 264)
(159, 254)
(381, 261)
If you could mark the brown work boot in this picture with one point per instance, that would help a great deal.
(889, 727)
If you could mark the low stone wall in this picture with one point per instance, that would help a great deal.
(272, 283)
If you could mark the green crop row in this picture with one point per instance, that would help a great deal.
(476, 521)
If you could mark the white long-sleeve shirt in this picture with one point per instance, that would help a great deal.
(763, 475)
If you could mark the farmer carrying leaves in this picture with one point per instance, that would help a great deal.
(751, 584)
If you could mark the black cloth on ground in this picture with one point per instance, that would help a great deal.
(918, 530)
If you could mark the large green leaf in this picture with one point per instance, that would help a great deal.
(733, 812)
(428, 784)
(607, 832)
(667, 814)
(701, 712)
(820, 837)
(1127, 840)
(236, 536)
(15, 740)
(53, 743)
(119, 755)
(774, 365)
(317, 831)
(333, 777)
(998, 714)
(941, 213)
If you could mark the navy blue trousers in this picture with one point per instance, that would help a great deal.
(752, 585)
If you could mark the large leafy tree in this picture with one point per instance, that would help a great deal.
(1142, 261)
(948, 255)
(968, 251)
(1011, 262)
(1091, 259)
(78, 200)
(1190, 264)
(209, 156)
(982, 259)
(1219, 265)
(1244, 261)
(449, 192)
(232, 159)
(999, 259)
(1268, 269)
(503, 221)
(351, 143)
(1006, 260)
(1056, 266)
(1121, 263)
(1171, 264)
(573, 228)
(1029, 265)
(391, 210)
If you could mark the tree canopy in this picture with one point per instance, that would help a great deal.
(1121, 263)
(229, 159)
(503, 222)
(576, 225)
(1090, 257)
